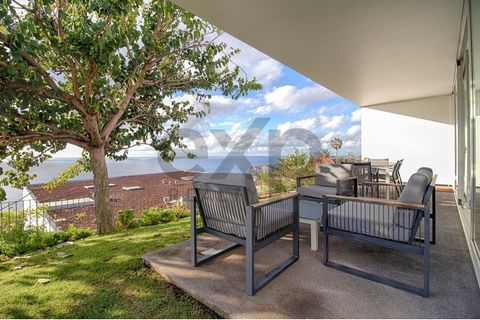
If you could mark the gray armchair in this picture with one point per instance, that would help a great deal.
(229, 209)
(334, 179)
(402, 224)
(392, 191)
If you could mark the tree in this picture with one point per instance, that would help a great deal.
(294, 165)
(104, 75)
(336, 144)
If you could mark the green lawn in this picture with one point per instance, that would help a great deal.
(104, 278)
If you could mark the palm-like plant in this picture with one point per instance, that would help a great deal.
(336, 144)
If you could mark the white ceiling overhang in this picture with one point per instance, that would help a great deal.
(368, 51)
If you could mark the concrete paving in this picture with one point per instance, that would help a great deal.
(308, 289)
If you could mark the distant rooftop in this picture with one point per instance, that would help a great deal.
(72, 203)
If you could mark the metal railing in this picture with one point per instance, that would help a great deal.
(27, 214)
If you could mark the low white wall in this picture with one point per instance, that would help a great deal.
(419, 131)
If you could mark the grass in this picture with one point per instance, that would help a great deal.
(104, 278)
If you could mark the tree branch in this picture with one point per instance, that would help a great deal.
(41, 71)
(29, 137)
(26, 86)
(59, 20)
(132, 88)
(66, 97)
(92, 70)
(48, 124)
(129, 48)
(73, 71)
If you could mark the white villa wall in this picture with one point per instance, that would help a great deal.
(420, 131)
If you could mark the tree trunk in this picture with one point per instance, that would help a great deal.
(103, 210)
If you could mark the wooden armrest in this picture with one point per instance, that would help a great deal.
(299, 179)
(393, 203)
(306, 177)
(273, 200)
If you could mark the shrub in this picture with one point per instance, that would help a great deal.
(16, 240)
(136, 223)
(9, 219)
(19, 240)
(181, 211)
(294, 165)
(75, 233)
(51, 239)
(156, 215)
(150, 216)
(125, 218)
(167, 215)
(7, 249)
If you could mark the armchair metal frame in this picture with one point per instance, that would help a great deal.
(408, 243)
(251, 216)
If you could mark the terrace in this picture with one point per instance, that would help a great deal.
(308, 289)
(408, 64)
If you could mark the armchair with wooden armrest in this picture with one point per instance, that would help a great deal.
(402, 224)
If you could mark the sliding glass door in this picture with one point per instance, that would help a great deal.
(475, 102)
(467, 106)
(463, 118)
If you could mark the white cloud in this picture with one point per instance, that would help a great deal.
(253, 62)
(351, 143)
(356, 115)
(333, 122)
(267, 71)
(306, 124)
(353, 130)
(265, 109)
(219, 105)
(292, 99)
(329, 136)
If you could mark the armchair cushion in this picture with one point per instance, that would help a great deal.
(232, 179)
(415, 188)
(328, 174)
(428, 172)
(414, 191)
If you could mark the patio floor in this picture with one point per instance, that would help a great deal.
(308, 289)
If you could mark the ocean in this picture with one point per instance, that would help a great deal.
(137, 166)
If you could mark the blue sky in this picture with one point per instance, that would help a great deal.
(288, 101)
